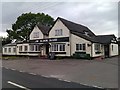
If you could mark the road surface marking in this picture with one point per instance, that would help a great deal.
(92, 85)
(45, 76)
(22, 71)
(66, 81)
(12, 83)
(5, 67)
(33, 73)
(96, 86)
(13, 69)
(60, 79)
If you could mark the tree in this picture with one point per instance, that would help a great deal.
(5, 40)
(25, 24)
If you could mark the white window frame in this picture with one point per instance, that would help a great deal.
(58, 32)
(9, 50)
(35, 34)
(58, 47)
(20, 48)
(32, 48)
(14, 50)
(80, 47)
(55, 47)
(25, 48)
(61, 47)
(97, 47)
(37, 48)
(5, 50)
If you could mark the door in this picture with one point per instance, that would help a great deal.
(42, 51)
(47, 49)
(106, 50)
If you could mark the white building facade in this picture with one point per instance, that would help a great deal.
(65, 39)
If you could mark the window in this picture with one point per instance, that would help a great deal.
(55, 47)
(9, 49)
(31, 47)
(14, 50)
(77, 46)
(58, 32)
(84, 47)
(25, 48)
(5, 49)
(80, 47)
(36, 34)
(86, 33)
(52, 47)
(58, 47)
(97, 47)
(37, 48)
(20, 48)
(62, 47)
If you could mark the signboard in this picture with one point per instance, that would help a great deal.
(63, 39)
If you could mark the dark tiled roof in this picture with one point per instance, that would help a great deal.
(74, 27)
(44, 29)
(10, 44)
(105, 39)
(79, 30)
(92, 39)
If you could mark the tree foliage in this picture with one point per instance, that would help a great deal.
(25, 24)
(5, 40)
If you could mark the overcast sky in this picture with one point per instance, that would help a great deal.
(100, 17)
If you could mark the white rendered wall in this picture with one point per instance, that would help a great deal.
(78, 40)
(115, 49)
(36, 29)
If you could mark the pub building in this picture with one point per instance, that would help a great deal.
(65, 38)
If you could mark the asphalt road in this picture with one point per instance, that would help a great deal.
(16, 79)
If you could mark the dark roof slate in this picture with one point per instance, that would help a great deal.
(74, 27)
(44, 29)
(79, 30)
(105, 39)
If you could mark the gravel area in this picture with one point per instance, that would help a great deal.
(103, 73)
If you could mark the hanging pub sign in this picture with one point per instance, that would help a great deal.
(63, 39)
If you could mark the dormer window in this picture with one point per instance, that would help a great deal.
(58, 32)
(87, 34)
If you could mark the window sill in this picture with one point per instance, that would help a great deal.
(80, 50)
(58, 52)
(98, 52)
(30, 52)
